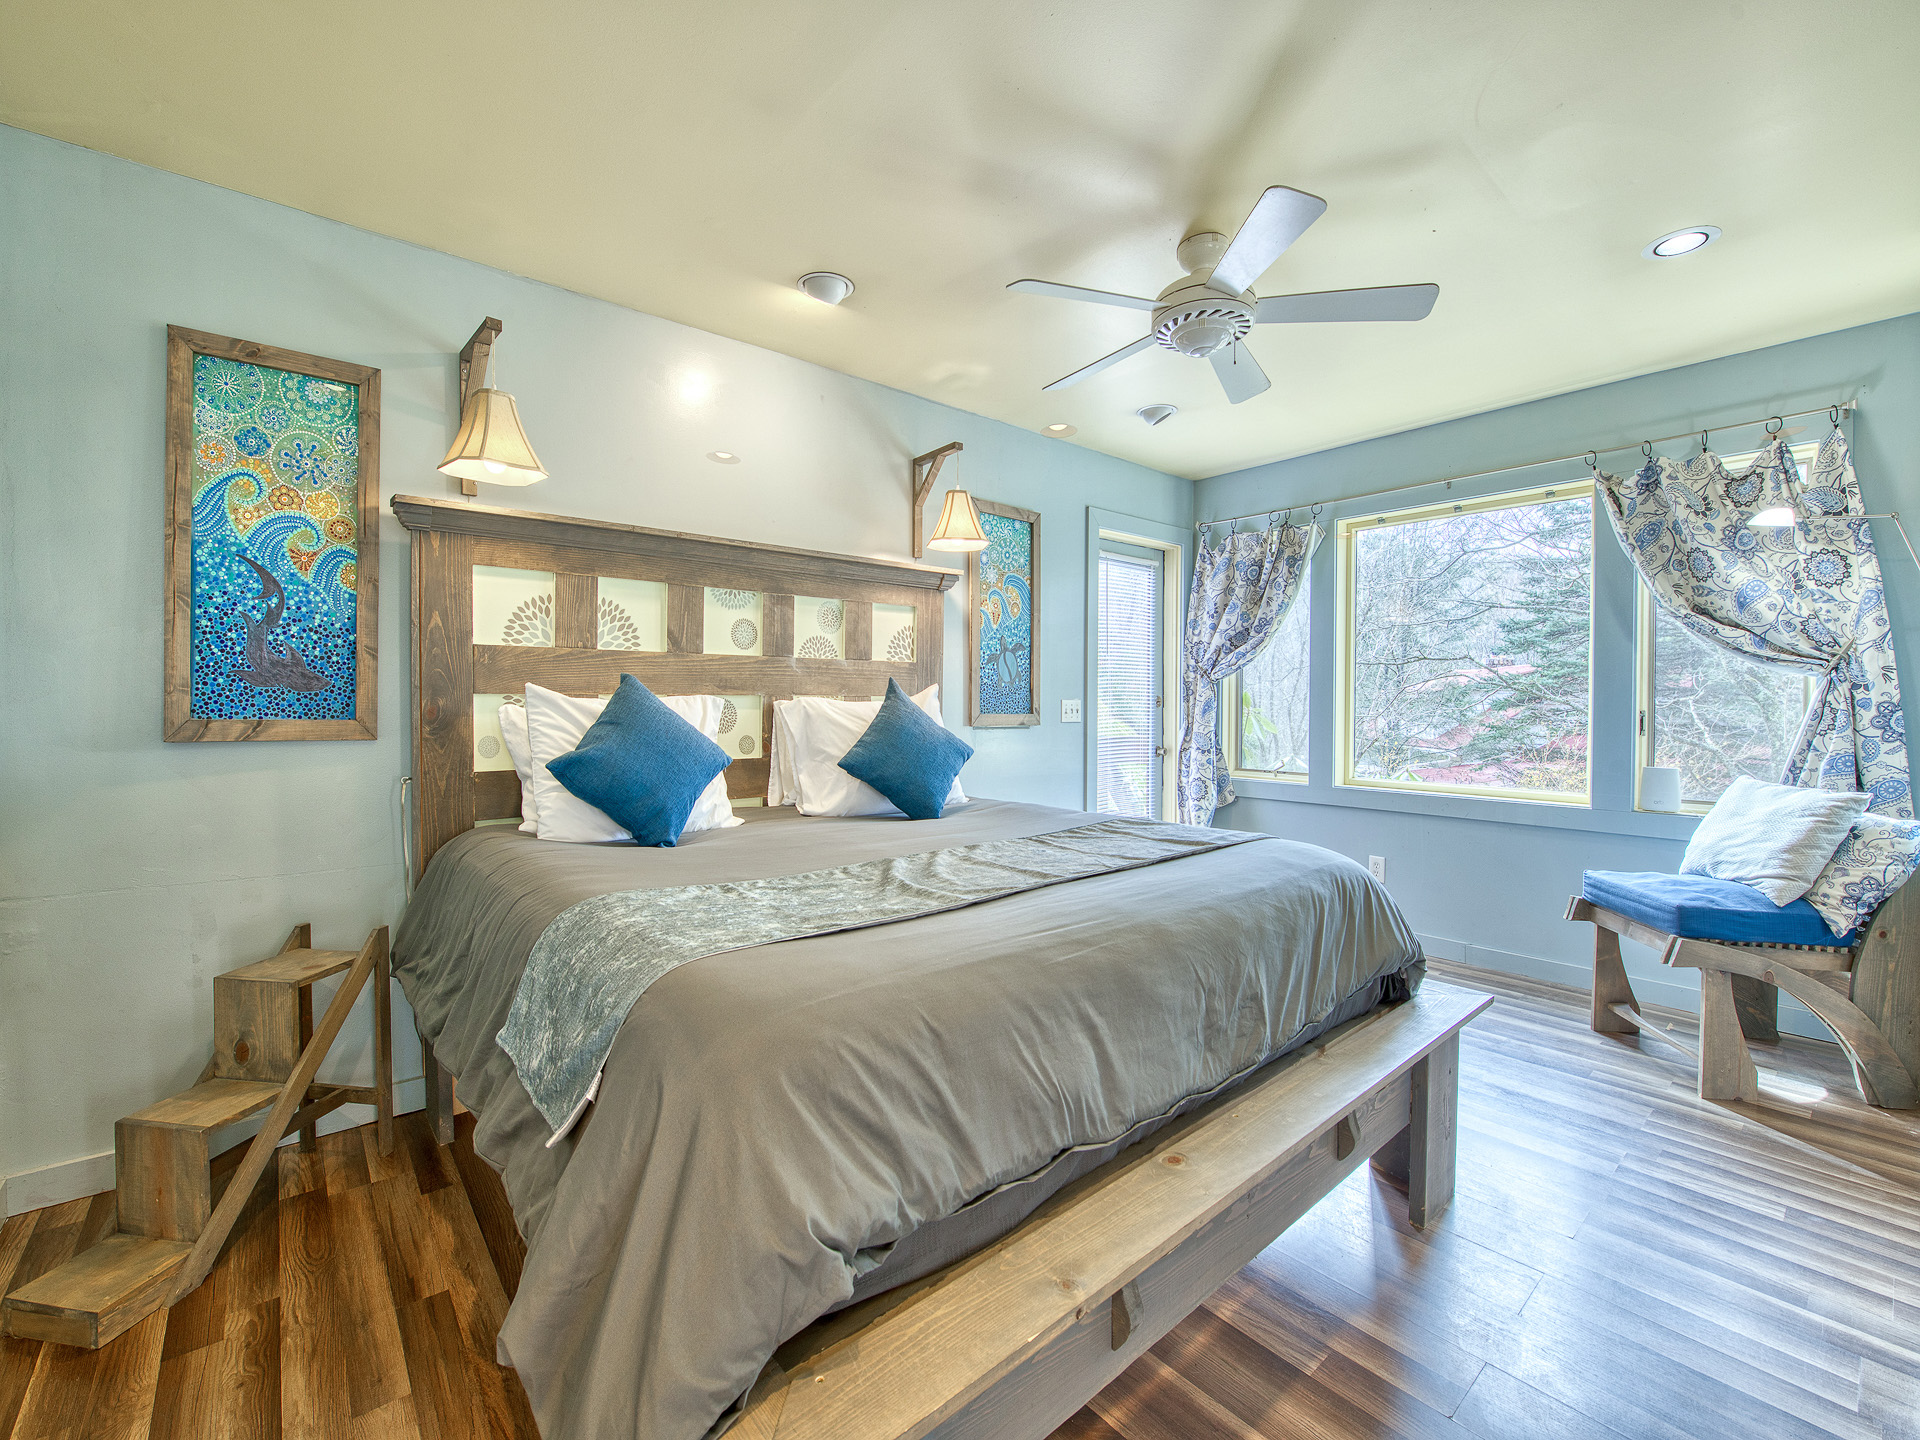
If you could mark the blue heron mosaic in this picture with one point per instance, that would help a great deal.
(276, 542)
(1005, 597)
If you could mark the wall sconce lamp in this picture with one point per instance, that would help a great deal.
(491, 446)
(959, 527)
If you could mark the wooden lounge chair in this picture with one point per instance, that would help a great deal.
(1864, 986)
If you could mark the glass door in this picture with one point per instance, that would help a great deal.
(1130, 709)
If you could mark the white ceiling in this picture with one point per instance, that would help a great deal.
(691, 160)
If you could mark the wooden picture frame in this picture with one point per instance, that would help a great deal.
(1004, 613)
(282, 487)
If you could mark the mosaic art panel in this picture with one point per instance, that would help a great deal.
(1003, 595)
(275, 543)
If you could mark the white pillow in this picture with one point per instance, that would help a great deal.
(1776, 838)
(822, 732)
(555, 723)
(1875, 859)
(783, 785)
(513, 730)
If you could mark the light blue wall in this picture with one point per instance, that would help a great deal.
(131, 871)
(1488, 880)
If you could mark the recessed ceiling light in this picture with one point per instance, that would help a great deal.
(1154, 414)
(825, 286)
(1682, 242)
(723, 457)
(1060, 430)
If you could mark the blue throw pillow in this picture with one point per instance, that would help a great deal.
(908, 756)
(642, 764)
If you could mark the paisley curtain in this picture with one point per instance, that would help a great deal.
(1243, 587)
(1808, 598)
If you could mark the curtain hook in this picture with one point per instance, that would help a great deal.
(1593, 461)
(1834, 414)
(1703, 442)
(1646, 448)
(1775, 425)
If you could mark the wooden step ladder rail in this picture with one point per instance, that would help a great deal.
(170, 1233)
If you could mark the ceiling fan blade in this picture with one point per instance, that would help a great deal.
(1279, 217)
(1097, 366)
(1240, 374)
(1383, 302)
(1076, 292)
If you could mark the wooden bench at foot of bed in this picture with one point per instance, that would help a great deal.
(1010, 1342)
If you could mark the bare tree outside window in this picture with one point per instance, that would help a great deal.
(1717, 715)
(1471, 636)
(1272, 715)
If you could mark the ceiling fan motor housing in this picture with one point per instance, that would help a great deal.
(1195, 320)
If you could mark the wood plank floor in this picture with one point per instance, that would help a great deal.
(1623, 1259)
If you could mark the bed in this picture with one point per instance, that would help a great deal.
(917, 1109)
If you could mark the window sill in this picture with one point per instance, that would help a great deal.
(1649, 824)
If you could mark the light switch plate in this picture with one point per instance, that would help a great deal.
(1070, 711)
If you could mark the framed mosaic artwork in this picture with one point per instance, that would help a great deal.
(1003, 629)
(272, 541)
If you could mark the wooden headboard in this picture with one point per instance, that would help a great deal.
(544, 615)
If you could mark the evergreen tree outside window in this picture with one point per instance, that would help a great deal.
(1466, 641)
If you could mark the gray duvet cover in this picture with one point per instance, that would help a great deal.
(771, 1120)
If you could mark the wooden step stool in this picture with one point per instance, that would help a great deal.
(266, 1050)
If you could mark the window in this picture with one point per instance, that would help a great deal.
(1708, 712)
(1465, 642)
(1130, 713)
(1264, 708)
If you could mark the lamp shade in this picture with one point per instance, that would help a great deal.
(959, 527)
(491, 447)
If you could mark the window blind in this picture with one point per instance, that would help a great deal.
(1129, 715)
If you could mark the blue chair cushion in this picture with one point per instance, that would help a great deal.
(642, 764)
(1699, 907)
(908, 756)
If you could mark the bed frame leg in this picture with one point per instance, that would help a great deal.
(1421, 1156)
(439, 1082)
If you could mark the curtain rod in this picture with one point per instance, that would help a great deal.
(1843, 407)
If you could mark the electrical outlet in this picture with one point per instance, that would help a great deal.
(1378, 865)
(1070, 711)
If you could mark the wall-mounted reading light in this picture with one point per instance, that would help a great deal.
(491, 446)
(959, 527)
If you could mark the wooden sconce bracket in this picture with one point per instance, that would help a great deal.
(473, 369)
(923, 486)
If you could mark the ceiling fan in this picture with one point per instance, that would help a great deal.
(1209, 310)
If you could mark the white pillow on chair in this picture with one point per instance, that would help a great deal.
(1776, 838)
(555, 723)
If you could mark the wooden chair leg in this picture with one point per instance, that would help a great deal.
(1726, 1069)
(1610, 985)
(439, 1083)
(1759, 1007)
(1422, 1156)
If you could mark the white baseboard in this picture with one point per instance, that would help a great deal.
(1658, 989)
(90, 1174)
